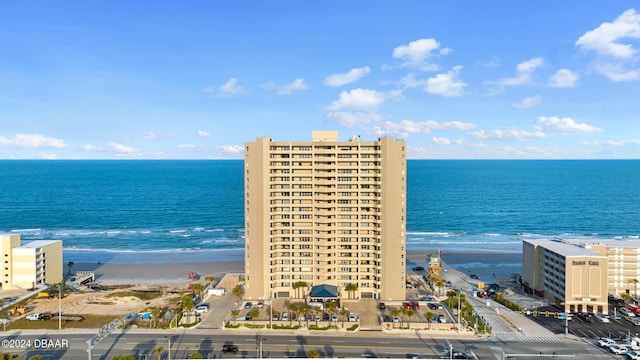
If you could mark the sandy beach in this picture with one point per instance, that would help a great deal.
(483, 264)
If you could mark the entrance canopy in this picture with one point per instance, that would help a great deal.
(324, 292)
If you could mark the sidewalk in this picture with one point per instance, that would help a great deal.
(505, 324)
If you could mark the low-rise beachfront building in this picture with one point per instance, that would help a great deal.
(30, 265)
(325, 212)
(581, 274)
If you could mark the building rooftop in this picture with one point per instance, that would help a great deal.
(566, 248)
(37, 244)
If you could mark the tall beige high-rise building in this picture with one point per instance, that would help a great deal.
(325, 212)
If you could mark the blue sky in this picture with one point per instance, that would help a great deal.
(195, 80)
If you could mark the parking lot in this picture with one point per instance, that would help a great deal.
(590, 328)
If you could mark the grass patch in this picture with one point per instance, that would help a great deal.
(231, 326)
(251, 326)
(142, 295)
(353, 327)
(286, 327)
(88, 321)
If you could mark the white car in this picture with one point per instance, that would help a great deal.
(605, 342)
(201, 309)
(632, 355)
(603, 318)
(32, 317)
(260, 304)
(618, 348)
(285, 316)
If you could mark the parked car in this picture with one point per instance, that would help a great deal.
(605, 342)
(602, 318)
(586, 317)
(33, 317)
(634, 320)
(248, 305)
(353, 317)
(442, 319)
(632, 355)
(406, 305)
(247, 317)
(418, 268)
(260, 304)
(396, 319)
(276, 316)
(433, 306)
(334, 317)
(201, 309)
(285, 316)
(415, 305)
(618, 348)
(229, 347)
(382, 306)
(626, 312)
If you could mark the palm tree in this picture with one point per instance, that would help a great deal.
(316, 311)
(440, 284)
(292, 307)
(306, 309)
(395, 312)
(234, 315)
(331, 308)
(238, 291)
(209, 279)
(351, 288)
(635, 282)
(409, 314)
(159, 351)
(254, 313)
(70, 265)
(297, 285)
(344, 312)
(198, 289)
(430, 315)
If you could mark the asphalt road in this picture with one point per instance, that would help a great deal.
(209, 344)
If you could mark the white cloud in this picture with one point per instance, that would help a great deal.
(341, 79)
(528, 102)
(554, 124)
(89, 147)
(295, 86)
(441, 140)
(203, 133)
(617, 71)
(417, 53)
(564, 78)
(187, 146)
(524, 70)
(605, 38)
(361, 99)
(122, 148)
(449, 125)
(410, 81)
(232, 149)
(448, 84)
(406, 127)
(229, 88)
(350, 119)
(615, 60)
(512, 134)
(32, 141)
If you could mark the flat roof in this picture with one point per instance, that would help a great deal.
(566, 248)
(37, 244)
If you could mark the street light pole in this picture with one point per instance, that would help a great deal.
(169, 348)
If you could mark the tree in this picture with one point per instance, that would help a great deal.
(331, 308)
(409, 314)
(297, 286)
(234, 315)
(635, 282)
(159, 351)
(316, 311)
(351, 288)
(313, 354)
(198, 289)
(209, 279)
(395, 312)
(254, 313)
(292, 307)
(70, 265)
(344, 312)
(306, 310)
(440, 284)
(430, 315)
(238, 291)
(195, 356)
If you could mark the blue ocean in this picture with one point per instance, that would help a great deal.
(185, 211)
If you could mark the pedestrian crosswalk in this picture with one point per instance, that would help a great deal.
(510, 336)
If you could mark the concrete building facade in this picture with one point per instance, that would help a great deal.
(30, 265)
(325, 212)
(580, 275)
